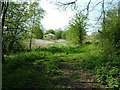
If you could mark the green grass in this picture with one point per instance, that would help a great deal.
(37, 67)
(105, 67)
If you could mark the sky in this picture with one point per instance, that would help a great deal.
(54, 18)
(59, 18)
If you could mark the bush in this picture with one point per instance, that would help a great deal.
(58, 34)
(106, 68)
(110, 33)
(51, 67)
(30, 69)
(109, 76)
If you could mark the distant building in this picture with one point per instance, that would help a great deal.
(49, 36)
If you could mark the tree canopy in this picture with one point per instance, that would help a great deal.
(77, 29)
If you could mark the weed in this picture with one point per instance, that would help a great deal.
(34, 68)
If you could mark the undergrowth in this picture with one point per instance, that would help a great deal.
(35, 68)
(106, 68)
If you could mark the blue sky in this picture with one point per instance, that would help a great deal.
(58, 18)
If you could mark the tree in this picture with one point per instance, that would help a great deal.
(36, 13)
(38, 33)
(77, 28)
(58, 34)
(1, 59)
(63, 35)
(49, 31)
(3, 10)
(110, 33)
(15, 19)
(89, 6)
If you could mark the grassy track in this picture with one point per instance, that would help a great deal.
(56, 66)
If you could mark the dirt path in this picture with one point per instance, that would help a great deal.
(72, 77)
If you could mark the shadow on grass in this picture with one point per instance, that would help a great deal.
(55, 49)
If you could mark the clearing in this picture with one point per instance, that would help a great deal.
(73, 76)
(54, 66)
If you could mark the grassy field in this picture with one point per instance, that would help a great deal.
(59, 66)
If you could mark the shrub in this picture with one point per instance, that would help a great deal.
(109, 76)
(51, 68)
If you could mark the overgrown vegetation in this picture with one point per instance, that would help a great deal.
(106, 68)
(48, 67)
(49, 31)
(38, 67)
(110, 33)
(22, 21)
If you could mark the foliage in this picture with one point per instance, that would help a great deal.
(49, 31)
(16, 23)
(77, 27)
(58, 34)
(33, 69)
(38, 67)
(110, 36)
(109, 75)
(52, 67)
(24, 70)
(15, 30)
(34, 23)
(38, 33)
(106, 68)
(56, 48)
(64, 35)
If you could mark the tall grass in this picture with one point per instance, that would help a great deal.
(34, 69)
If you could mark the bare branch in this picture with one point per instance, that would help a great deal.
(98, 20)
(88, 7)
(95, 6)
(101, 2)
(70, 3)
(103, 7)
(65, 5)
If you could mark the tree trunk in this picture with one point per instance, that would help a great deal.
(4, 7)
(31, 37)
(0, 45)
(30, 41)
